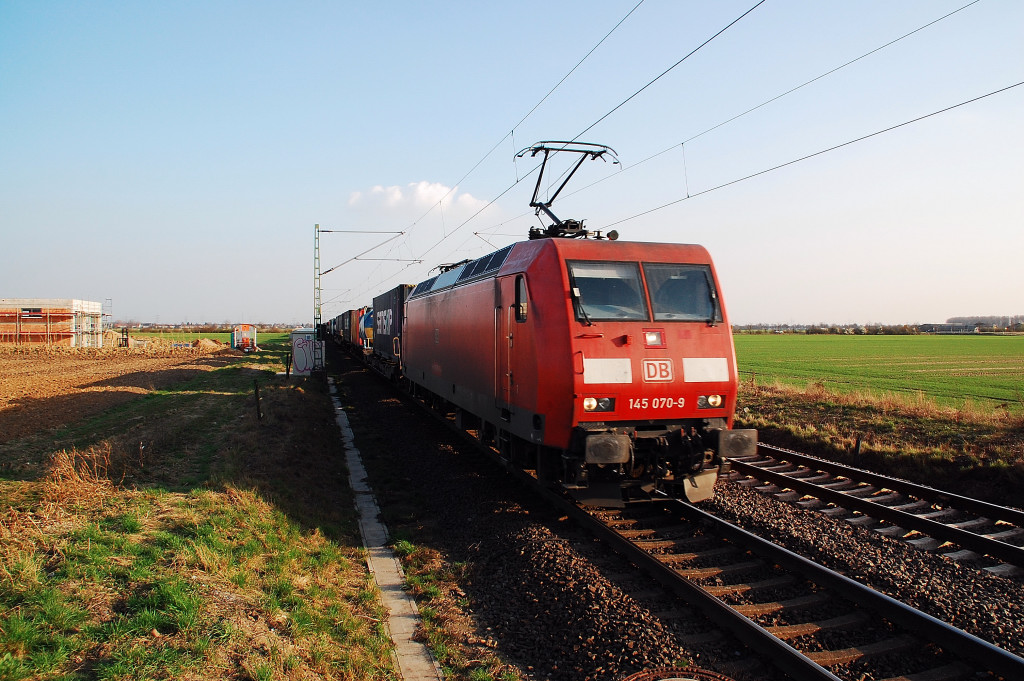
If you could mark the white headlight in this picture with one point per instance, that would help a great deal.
(598, 404)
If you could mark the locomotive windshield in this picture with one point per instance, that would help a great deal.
(682, 292)
(607, 291)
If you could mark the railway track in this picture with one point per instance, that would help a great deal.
(963, 529)
(798, 616)
(810, 622)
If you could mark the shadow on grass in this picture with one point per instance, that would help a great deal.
(201, 430)
(28, 415)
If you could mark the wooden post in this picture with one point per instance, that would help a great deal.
(259, 413)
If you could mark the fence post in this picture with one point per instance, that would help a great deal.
(259, 412)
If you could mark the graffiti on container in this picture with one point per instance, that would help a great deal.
(302, 354)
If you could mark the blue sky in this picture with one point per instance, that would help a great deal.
(174, 157)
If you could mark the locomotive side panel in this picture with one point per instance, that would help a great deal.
(449, 341)
(538, 376)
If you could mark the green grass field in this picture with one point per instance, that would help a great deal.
(224, 337)
(985, 371)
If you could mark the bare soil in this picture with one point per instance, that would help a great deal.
(42, 389)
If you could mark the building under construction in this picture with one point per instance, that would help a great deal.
(51, 321)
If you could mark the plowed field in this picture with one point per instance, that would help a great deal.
(44, 389)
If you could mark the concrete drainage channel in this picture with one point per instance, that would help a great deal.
(414, 661)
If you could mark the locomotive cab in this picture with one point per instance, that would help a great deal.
(607, 367)
(654, 374)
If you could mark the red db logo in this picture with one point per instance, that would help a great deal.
(657, 370)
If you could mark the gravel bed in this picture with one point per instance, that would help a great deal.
(545, 599)
(990, 607)
(538, 591)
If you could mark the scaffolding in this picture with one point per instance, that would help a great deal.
(51, 321)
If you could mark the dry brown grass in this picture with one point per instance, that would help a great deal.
(151, 348)
(907, 405)
(970, 450)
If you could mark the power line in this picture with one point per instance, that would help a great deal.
(663, 73)
(830, 72)
(817, 153)
(780, 96)
(485, 157)
(368, 250)
(578, 65)
(485, 207)
(528, 114)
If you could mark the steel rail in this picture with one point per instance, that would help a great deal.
(945, 635)
(781, 654)
(982, 508)
(965, 538)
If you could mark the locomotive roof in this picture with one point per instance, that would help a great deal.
(489, 264)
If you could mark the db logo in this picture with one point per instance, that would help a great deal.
(657, 370)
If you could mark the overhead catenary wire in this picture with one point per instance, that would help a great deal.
(447, 234)
(666, 71)
(609, 113)
(758, 106)
(778, 96)
(831, 71)
(368, 250)
(817, 153)
(660, 76)
(529, 113)
(438, 204)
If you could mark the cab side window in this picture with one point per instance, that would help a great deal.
(521, 299)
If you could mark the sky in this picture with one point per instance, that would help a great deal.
(172, 159)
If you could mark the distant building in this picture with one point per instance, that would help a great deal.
(51, 321)
(948, 328)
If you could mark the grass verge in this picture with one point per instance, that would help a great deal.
(180, 536)
(435, 582)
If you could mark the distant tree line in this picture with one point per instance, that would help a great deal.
(204, 327)
(835, 329)
(1013, 324)
(865, 330)
(990, 322)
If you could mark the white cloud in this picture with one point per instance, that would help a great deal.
(420, 196)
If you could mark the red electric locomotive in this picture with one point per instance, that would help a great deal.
(606, 366)
(603, 364)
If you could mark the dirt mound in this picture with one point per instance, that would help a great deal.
(208, 345)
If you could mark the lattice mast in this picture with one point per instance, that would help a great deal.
(318, 350)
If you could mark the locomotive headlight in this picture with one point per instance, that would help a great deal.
(598, 404)
(654, 338)
(709, 401)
